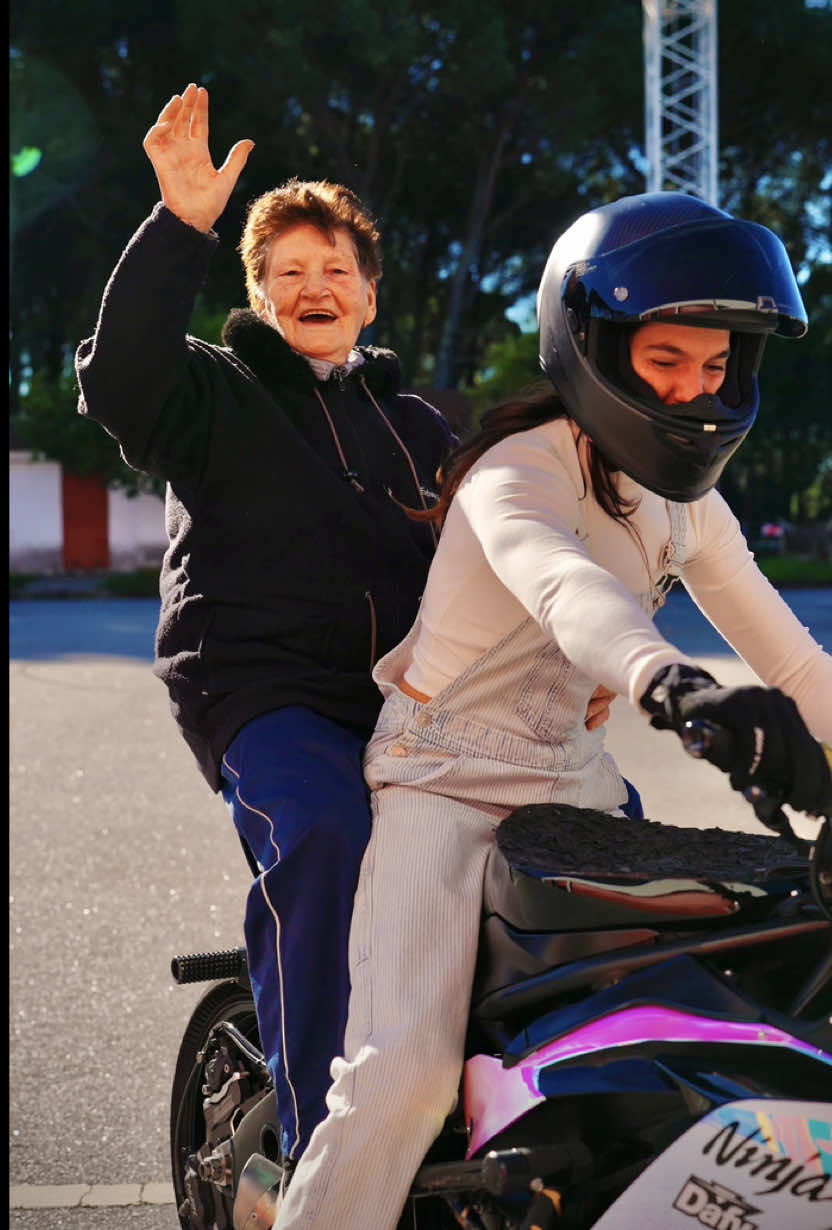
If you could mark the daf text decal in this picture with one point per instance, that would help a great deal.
(714, 1205)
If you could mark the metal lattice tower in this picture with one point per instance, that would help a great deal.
(681, 96)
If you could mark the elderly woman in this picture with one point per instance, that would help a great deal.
(289, 453)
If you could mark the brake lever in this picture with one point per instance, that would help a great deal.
(820, 869)
(701, 737)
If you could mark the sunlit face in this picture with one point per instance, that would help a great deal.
(315, 294)
(680, 362)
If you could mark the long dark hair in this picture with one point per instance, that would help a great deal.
(540, 405)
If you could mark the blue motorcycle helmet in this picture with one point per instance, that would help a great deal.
(672, 257)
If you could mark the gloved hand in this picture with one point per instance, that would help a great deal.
(772, 747)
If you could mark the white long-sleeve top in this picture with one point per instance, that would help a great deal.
(525, 536)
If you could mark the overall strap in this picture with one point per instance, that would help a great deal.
(673, 555)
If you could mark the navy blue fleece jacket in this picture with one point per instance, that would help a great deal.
(282, 581)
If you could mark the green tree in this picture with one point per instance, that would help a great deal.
(511, 367)
(816, 500)
(475, 129)
(48, 425)
(791, 443)
(775, 166)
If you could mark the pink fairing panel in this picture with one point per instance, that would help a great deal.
(496, 1096)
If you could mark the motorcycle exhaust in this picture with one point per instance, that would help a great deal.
(258, 1194)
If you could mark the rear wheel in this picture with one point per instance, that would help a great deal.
(201, 1203)
(201, 1123)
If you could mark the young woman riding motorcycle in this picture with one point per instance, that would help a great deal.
(563, 522)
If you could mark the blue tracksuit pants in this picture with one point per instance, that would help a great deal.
(294, 784)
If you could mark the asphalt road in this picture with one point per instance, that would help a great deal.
(121, 857)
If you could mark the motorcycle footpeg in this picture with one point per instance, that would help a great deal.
(258, 1194)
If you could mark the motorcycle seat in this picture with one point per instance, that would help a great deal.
(566, 884)
(559, 867)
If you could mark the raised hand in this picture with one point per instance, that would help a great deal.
(177, 145)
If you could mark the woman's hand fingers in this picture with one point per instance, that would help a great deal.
(598, 709)
(236, 160)
(177, 146)
(199, 114)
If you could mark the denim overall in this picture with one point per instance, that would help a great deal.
(508, 731)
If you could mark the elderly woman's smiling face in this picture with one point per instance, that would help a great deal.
(680, 362)
(314, 292)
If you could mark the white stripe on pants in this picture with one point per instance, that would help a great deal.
(413, 948)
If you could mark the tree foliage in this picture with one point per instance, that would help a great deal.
(474, 129)
(47, 423)
(779, 471)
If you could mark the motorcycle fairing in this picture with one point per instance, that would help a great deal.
(496, 1096)
(680, 982)
(757, 1164)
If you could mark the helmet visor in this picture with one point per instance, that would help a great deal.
(723, 274)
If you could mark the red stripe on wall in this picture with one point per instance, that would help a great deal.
(86, 527)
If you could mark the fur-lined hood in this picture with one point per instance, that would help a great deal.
(271, 358)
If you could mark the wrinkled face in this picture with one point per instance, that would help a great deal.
(680, 362)
(315, 295)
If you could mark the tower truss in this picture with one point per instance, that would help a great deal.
(680, 39)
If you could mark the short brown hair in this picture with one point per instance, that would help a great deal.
(314, 202)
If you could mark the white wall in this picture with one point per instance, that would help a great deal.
(137, 530)
(36, 536)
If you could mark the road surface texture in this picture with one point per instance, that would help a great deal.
(122, 857)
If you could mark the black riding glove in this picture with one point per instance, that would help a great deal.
(771, 746)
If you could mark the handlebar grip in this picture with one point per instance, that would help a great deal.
(701, 737)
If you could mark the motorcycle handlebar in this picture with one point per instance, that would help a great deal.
(701, 737)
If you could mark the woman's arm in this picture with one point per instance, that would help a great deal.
(747, 610)
(523, 507)
(135, 371)
(138, 374)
